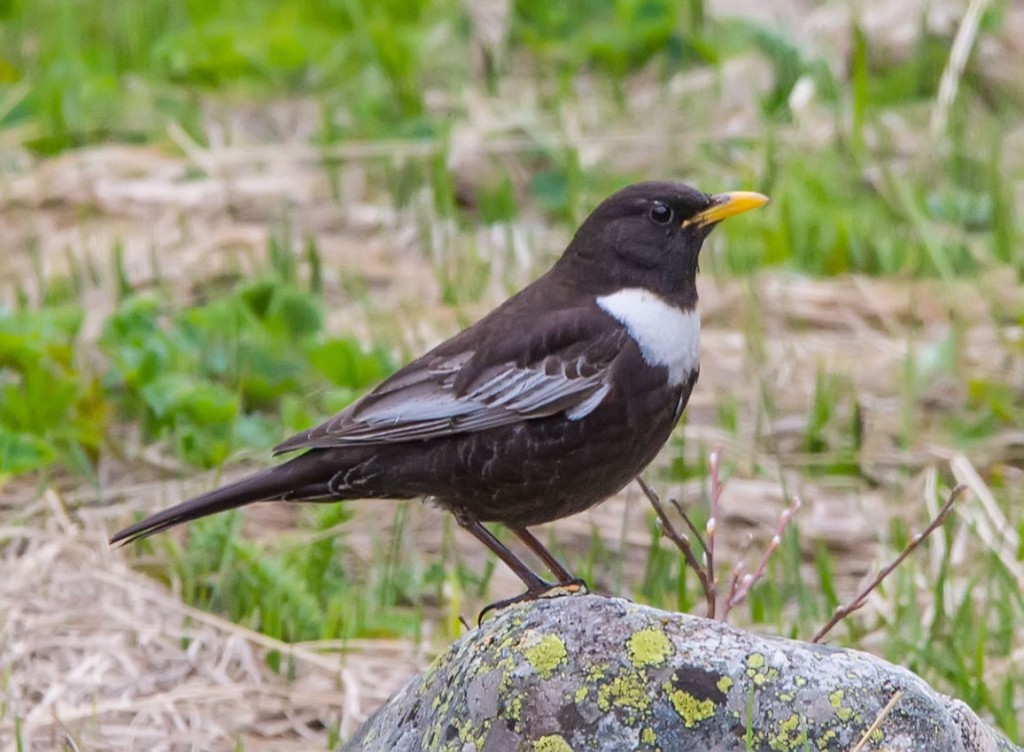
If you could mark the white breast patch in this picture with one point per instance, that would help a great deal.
(666, 335)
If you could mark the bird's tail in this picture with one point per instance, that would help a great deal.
(300, 478)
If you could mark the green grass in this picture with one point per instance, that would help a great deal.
(869, 191)
(94, 70)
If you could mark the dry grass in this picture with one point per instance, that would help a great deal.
(95, 656)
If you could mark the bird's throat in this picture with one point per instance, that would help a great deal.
(667, 335)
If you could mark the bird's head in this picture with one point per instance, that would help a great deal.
(649, 235)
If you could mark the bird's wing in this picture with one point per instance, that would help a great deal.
(446, 394)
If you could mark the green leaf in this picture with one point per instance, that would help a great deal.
(344, 363)
(295, 315)
(176, 395)
(23, 452)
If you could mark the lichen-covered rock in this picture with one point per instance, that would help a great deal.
(585, 672)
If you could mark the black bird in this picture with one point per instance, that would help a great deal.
(546, 406)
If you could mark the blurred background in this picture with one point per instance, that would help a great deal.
(221, 222)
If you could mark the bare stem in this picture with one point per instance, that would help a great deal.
(740, 587)
(690, 526)
(715, 462)
(682, 543)
(860, 599)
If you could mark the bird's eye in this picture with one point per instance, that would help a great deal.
(661, 213)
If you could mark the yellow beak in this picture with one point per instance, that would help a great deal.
(724, 205)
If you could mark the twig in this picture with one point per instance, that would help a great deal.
(879, 720)
(741, 564)
(715, 462)
(860, 599)
(691, 527)
(740, 587)
(682, 543)
(740, 584)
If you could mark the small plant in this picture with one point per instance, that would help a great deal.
(204, 378)
(741, 581)
(49, 411)
(700, 557)
(614, 38)
(835, 426)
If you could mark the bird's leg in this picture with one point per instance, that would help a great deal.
(563, 575)
(534, 584)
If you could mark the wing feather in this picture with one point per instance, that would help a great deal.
(423, 401)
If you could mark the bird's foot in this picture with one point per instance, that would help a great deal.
(573, 587)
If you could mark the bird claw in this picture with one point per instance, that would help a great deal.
(573, 587)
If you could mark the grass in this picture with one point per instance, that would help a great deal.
(859, 187)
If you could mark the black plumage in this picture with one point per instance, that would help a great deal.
(548, 405)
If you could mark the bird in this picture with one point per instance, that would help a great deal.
(551, 403)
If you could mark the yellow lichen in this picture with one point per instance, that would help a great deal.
(546, 654)
(724, 685)
(648, 647)
(826, 739)
(755, 663)
(516, 708)
(843, 713)
(690, 709)
(647, 736)
(788, 735)
(551, 743)
(627, 691)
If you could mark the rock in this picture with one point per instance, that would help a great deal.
(586, 672)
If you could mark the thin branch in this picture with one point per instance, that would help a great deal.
(740, 584)
(740, 587)
(860, 599)
(737, 570)
(682, 543)
(689, 524)
(715, 463)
